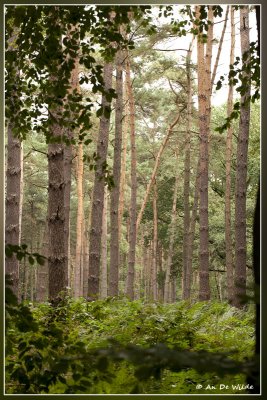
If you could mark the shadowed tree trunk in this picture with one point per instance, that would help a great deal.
(187, 162)
(103, 292)
(228, 162)
(98, 192)
(132, 232)
(167, 288)
(241, 173)
(113, 282)
(155, 244)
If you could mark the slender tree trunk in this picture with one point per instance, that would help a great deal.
(167, 288)
(241, 174)
(155, 244)
(228, 162)
(123, 170)
(187, 162)
(150, 184)
(98, 192)
(187, 285)
(132, 233)
(204, 91)
(104, 265)
(113, 284)
(78, 287)
(220, 47)
(42, 271)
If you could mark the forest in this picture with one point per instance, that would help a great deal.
(132, 189)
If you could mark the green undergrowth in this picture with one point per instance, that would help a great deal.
(118, 346)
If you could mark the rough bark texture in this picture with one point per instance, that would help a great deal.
(78, 286)
(98, 193)
(187, 162)
(132, 233)
(167, 287)
(13, 205)
(241, 175)
(42, 271)
(228, 164)
(204, 91)
(103, 292)
(57, 259)
(113, 282)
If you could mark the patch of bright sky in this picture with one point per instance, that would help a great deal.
(218, 97)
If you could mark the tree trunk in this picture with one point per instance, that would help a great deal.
(13, 190)
(13, 205)
(123, 169)
(149, 186)
(241, 174)
(98, 192)
(78, 286)
(187, 284)
(155, 244)
(104, 266)
(42, 271)
(204, 92)
(167, 288)
(132, 233)
(113, 284)
(187, 163)
(228, 163)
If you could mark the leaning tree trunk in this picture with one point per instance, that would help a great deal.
(228, 162)
(241, 171)
(98, 192)
(113, 283)
(204, 92)
(132, 233)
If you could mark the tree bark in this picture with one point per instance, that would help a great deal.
(187, 162)
(78, 286)
(98, 192)
(228, 163)
(155, 244)
(132, 233)
(241, 173)
(104, 265)
(113, 284)
(167, 287)
(204, 92)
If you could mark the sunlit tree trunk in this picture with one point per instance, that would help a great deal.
(79, 225)
(241, 173)
(132, 233)
(98, 192)
(228, 163)
(113, 282)
(204, 92)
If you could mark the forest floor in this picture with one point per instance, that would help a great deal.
(58, 349)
